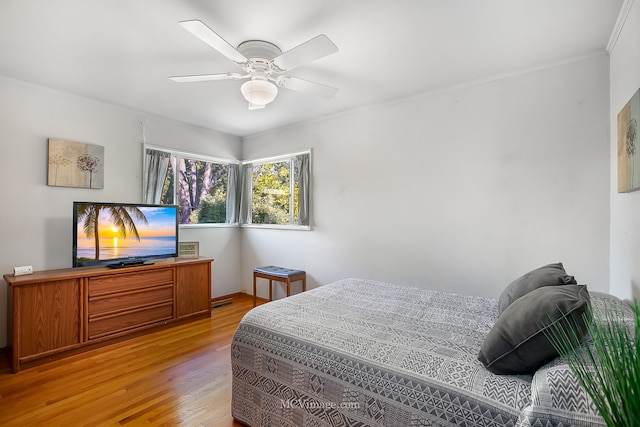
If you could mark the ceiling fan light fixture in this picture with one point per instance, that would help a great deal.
(258, 91)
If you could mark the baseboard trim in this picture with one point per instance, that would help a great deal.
(226, 299)
(228, 296)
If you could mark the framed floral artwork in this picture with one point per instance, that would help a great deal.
(628, 150)
(75, 164)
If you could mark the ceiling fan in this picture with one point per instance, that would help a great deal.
(264, 64)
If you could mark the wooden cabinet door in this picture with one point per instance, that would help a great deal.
(193, 289)
(49, 316)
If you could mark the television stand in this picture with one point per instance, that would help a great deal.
(57, 313)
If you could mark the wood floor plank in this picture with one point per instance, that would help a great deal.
(179, 376)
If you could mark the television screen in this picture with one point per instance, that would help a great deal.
(121, 234)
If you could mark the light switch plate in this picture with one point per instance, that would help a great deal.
(25, 269)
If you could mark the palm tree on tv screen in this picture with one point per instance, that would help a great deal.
(123, 217)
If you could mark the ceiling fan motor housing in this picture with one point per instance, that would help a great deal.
(259, 53)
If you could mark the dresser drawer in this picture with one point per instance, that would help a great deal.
(113, 303)
(128, 281)
(100, 326)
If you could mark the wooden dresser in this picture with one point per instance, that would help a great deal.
(56, 313)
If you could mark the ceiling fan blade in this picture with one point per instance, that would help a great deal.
(210, 37)
(307, 87)
(316, 48)
(206, 77)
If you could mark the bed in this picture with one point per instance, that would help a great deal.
(366, 353)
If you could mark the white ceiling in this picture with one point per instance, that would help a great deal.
(122, 51)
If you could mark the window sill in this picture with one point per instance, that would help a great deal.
(209, 225)
(278, 227)
(263, 226)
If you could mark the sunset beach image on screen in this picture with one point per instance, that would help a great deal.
(157, 236)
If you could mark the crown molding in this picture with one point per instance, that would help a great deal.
(617, 28)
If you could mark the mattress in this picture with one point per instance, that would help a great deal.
(361, 352)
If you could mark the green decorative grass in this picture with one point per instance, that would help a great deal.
(608, 365)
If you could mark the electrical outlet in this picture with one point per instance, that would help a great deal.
(25, 269)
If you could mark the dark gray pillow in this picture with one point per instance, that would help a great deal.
(548, 275)
(517, 344)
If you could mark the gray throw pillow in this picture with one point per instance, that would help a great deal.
(517, 343)
(548, 275)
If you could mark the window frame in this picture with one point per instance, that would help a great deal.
(290, 157)
(177, 154)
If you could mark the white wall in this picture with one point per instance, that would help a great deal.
(461, 190)
(625, 208)
(36, 225)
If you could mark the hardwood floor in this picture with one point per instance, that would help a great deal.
(176, 376)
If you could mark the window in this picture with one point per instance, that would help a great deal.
(199, 185)
(278, 189)
(269, 192)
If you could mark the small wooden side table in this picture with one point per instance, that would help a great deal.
(278, 274)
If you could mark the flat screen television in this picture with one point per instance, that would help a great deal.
(123, 234)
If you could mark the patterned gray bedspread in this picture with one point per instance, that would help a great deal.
(360, 352)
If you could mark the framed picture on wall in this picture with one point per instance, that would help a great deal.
(75, 164)
(628, 150)
(188, 249)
